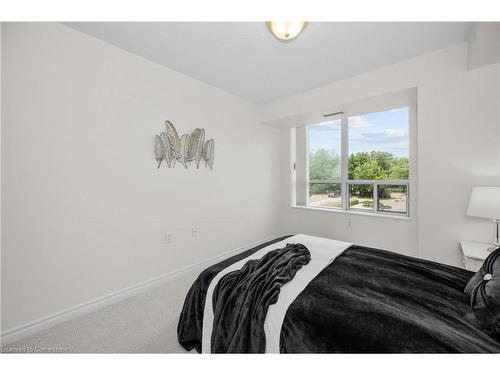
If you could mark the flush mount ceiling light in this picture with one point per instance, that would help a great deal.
(286, 30)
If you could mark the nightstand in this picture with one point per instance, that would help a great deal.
(474, 254)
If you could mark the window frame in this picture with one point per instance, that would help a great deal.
(344, 181)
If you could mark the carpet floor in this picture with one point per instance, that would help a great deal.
(145, 323)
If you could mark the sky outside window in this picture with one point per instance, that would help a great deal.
(380, 131)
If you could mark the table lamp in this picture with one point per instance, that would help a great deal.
(485, 202)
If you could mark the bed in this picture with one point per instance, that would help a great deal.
(365, 301)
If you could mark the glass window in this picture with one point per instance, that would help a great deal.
(361, 196)
(359, 162)
(324, 151)
(392, 198)
(325, 195)
(379, 145)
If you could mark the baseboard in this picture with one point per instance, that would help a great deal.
(41, 324)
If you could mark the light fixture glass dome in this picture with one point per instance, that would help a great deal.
(286, 30)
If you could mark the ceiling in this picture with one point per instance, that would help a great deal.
(244, 59)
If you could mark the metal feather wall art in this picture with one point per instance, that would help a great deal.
(187, 150)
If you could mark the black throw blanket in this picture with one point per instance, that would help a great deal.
(190, 327)
(242, 297)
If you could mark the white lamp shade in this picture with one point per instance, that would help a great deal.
(485, 202)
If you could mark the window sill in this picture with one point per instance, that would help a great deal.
(344, 212)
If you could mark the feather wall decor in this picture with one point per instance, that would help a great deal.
(188, 149)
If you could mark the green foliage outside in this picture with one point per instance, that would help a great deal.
(375, 165)
(324, 165)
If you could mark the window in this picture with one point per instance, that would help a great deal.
(360, 163)
(325, 169)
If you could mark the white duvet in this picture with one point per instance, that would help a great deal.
(323, 252)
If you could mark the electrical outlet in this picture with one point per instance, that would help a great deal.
(194, 232)
(167, 238)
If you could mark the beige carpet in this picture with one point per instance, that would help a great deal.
(146, 323)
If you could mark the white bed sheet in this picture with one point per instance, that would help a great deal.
(323, 252)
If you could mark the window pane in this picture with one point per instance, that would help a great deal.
(361, 197)
(324, 150)
(392, 198)
(379, 145)
(325, 195)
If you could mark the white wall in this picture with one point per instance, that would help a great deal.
(483, 44)
(84, 207)
(458, 139)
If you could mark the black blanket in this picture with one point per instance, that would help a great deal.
(366, 301)
(241, 299)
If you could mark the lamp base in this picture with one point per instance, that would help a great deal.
(492, 248)
(497, 236)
